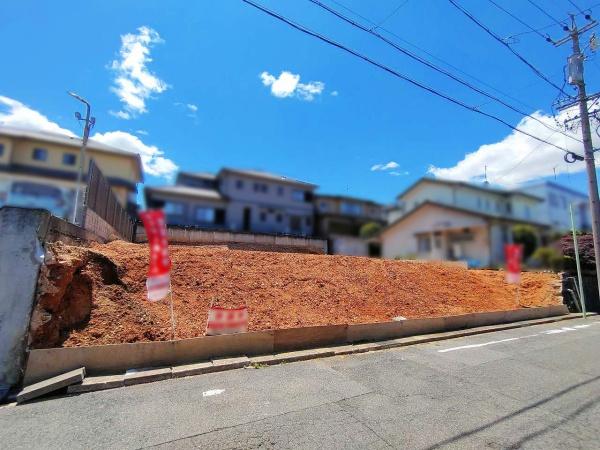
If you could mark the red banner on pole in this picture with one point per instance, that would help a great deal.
(226, 320)
(158, 283)
(513, 254)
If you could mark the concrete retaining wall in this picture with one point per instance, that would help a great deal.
(22, 233)
(44, 363)
(194, 236)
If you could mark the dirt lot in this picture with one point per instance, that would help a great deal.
(107, 284)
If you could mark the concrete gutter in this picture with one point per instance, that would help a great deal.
(117, 358)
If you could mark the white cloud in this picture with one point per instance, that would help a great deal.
(152, 157)
(142, 132)
(120, 114)
(20, 116)
(192, 107)
(134, 83)
(288, 85)
(334, 93)
(13, 113)
(398, 174)
(383, 167)
(518, 158)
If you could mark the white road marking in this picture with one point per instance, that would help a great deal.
(462, 347)
(545, 332)
(212, 392)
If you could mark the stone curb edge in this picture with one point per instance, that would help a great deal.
(97, 383)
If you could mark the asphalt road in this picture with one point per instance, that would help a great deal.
(533, 387)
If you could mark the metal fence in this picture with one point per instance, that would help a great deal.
(101, 199)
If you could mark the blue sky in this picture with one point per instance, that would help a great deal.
(330, 119)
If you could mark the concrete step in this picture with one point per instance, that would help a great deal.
(51, 384)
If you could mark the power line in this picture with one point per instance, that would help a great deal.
(518, 19)
(430, 65)
(431, 55)
(522, 160)
(543, 11)
(393, 72)
(513, 51)
(552, 24)
(392, 14)
(576, 7)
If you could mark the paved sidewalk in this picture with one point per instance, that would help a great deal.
(533, 387)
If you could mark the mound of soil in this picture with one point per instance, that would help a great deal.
(105, 286)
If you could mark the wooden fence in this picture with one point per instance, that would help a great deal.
(101, 199)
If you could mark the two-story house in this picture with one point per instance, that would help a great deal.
(451, 220)
(554, 210)
(339, 220)
(39, 169)
(237, 200)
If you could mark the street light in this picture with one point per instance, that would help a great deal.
(89, 123)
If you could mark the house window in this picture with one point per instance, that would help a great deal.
(423, 244)
(487, 204)
(298, 195)
(69, 159)
(478, 202)
(40, 154)
(261, 187)
(174, 209)
(206, 215)
(527, 212)
(239, 184)
(1, 149)
(263, 216)
(280, 190)
(279, 218)
(308, 221)
(353, 209)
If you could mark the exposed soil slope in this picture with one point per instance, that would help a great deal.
(282, 290)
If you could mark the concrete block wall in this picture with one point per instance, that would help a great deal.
(98, 226)
(179, 235)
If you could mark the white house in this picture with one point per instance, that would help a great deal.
(554, 210)
(438, 219)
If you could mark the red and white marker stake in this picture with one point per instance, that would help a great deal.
(158, 283)
(513, 254)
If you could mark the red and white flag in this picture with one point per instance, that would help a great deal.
(513, 254)
(158, 283)
(226, 320)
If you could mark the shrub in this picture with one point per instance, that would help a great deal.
(585, 243)
(369, 230)
(548, 257)
(526, 236)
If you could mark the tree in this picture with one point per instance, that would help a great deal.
(369, 229)
(526, 236)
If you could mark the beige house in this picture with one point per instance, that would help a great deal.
(39, 169)
(449, 220)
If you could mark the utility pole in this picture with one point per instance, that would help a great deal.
(89, 123)
(575, 64)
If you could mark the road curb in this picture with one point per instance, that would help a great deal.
(91, 384)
